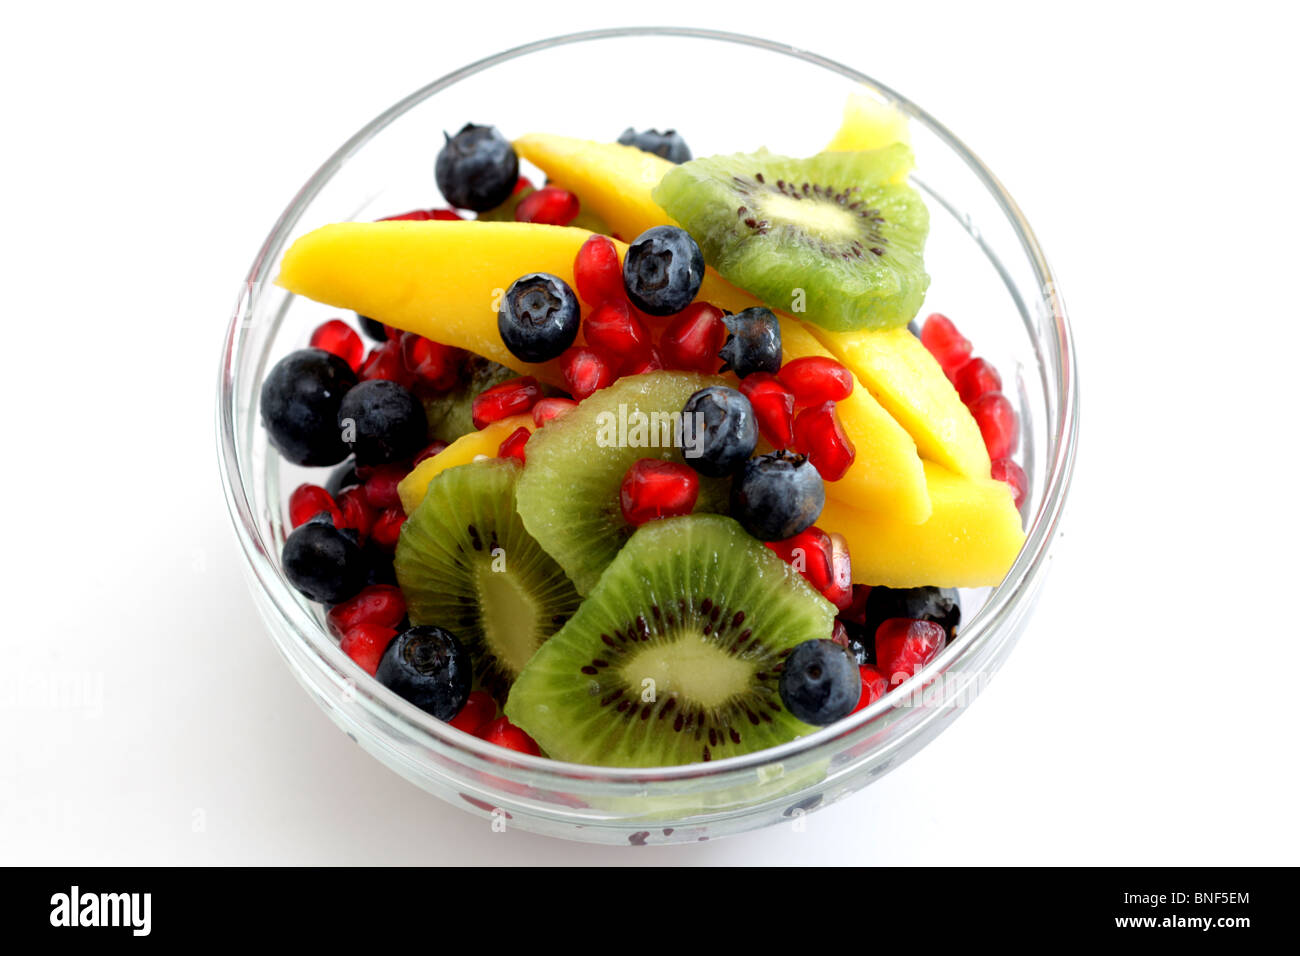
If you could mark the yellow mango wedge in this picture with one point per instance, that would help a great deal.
(905, 378)
(971, 539)
(462, 451)
(612, 180)
(886, 476)
(869, 123)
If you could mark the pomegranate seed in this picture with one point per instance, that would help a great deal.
(551, 408)
(392, 334)
(585, 371)
(385, 361)
(388, 528)
(809, 553)
(433, 449)
(949, 347)
(840, 591)
(615, 331)
(819, 435)
(522, 183)
(856, 612)
(651, 362)
(976, 378)
(815, 379)
(505, 734)
(773, 407)
(478, 710)
(339, 338)
(597, 272)
(366, 644)
(381, 485)
(693, 339)
(874, 686)
(839, 633)
(357, 515)
(513, 446)
(307, 501)
(435, 366)
(509, 398)
(904, 646)
(1004, 469)
(380, 604)
(998, 424)
(549, 206)
(423, 215)
(653, 488)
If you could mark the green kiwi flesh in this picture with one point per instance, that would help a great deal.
(465, 563)
(836, 239)
(675, 656)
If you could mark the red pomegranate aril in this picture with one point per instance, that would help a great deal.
(874, 686)
(840, 590)
(549, 409)
(423, 215)
(653, 488)
(381, 485)
(435, 448)
(478, 710)
(693, 339)
(388, 528)
(856, 612)
(809, 553)
(392, 334)
(976, 378)
(548, 206)
(522, 183)
(904, 646)
(839, 633)
(366, 644)
(514, 397)
(380, 604)
(597, 272)
(814, 379)
(307, 501)
(505, 734)
(1004, 469)
(357, 514)
(998, 424)
(436, 366)
(586, 371)
(613, 330)
(513, 445)
(652, 361)
(949, 347)
(773, 405)
(385, 362)
(339, 338)
(819, 435)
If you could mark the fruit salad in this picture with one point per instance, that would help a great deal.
(649, 460)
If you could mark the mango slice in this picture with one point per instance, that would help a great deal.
(971, 539)
(462, 451)
(886, 477)
(905, 378)
(612, 180)
(869, 124)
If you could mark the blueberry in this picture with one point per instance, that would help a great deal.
(373, 328)
(539, 317)
(379, 564)
(300, 405)
(477, 168)
(940, 605)
(382, 422)
(429, 667)
(662, 270)
(667, 145)
(754, 344)
(777, 495)
(344, 476)
(862, 644)
(914, 327)
(323, 562)
(719, 431)
(819, 683)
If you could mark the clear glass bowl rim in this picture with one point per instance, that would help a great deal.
(335, 667)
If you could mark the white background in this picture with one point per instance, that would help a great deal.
(1149, 715)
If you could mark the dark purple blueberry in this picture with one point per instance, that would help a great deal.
(429, 667)
(382, 422)
(777, 495)
(477, 168)
(754, 344)
(820, 683)
(662, 270)
(301, 398)
(539, 317)
(667, 145)
(719, 431)
(323, 562)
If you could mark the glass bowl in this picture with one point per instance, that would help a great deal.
(988, 274)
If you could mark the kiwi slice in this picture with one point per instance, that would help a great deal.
(450, 414)
(568, 496)
(676, 654)
(465, 563)
(836, 239)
